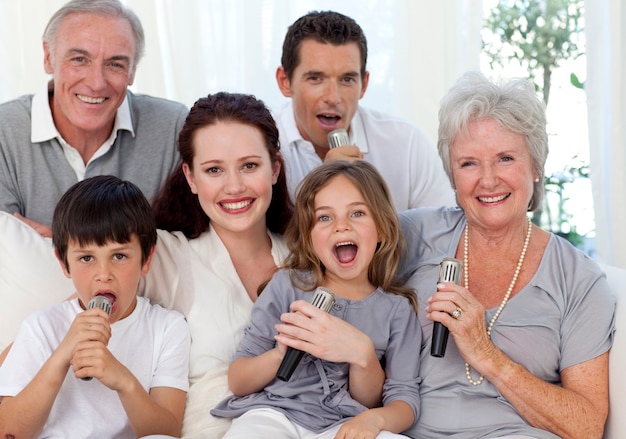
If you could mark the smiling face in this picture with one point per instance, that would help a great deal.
(232, 174)
(92, 65)
(112, 270)
(493, 173)
(344, 234)
(325, 89)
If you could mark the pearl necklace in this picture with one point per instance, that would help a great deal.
(468, 372)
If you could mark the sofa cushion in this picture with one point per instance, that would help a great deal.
(30, 275)
(616, 422)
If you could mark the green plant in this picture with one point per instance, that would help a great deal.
(559, 220)
(538, 34)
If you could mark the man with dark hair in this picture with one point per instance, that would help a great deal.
(324, 73)
(85, 122)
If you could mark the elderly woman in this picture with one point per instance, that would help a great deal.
(531, 322)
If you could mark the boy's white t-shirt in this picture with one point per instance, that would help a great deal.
(152, 342)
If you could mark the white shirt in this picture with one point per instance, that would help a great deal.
(401, 152)
(197, 277)
(152, 342)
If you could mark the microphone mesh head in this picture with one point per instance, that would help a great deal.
(100, 302)
(323, 299)
(338, 137)
(450, 270)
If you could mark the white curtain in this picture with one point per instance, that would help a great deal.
(417, 49)
(606, 101)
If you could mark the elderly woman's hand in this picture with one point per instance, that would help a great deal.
(468, 329)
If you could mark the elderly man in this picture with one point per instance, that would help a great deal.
(323, 71)
(85, 122)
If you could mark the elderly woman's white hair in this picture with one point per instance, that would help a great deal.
(514, 104)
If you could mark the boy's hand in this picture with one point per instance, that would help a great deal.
(93, 359)
(88, 326)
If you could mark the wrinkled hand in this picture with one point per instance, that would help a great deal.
(469, 330)
(348, 152)
(42, 229)
(322, 335)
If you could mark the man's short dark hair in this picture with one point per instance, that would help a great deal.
(100, 210)
(327, 27)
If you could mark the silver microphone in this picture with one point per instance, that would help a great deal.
(98, 302)
(449, 271)
(338, 137)
(323, 299)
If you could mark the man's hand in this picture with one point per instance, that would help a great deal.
(42, 229)
(348, 152)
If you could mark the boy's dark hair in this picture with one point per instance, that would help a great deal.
(327, 27)
(103, 209)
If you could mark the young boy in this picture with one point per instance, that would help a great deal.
(104, 234)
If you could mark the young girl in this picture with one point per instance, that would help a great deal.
(345, 237)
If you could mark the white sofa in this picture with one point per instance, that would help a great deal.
(30, 278)
(616, 423)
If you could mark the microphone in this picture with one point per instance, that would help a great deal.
(98, 302)
(323, 299)
(338, 137)
(449, 271)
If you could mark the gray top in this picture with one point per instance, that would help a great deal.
(317, 395)
(34, 176)
(562, 317)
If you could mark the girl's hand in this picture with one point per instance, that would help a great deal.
(322, 335)
(362, 426)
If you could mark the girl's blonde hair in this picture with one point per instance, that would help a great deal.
(367, 179)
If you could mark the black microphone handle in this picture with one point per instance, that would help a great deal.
(449, 271)
(288, 365)
(440, 340)
(323, 299)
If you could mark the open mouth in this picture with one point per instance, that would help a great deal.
(329, 120)
(346, 251)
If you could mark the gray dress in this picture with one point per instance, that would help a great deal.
(317, 396)
(562, 317)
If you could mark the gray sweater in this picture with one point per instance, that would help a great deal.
(33, 176)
